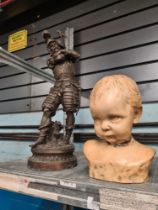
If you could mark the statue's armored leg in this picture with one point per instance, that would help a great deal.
(49, 107)
(44, 127)
(70, 120)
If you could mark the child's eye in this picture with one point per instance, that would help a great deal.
(95, 119)
(115, 118)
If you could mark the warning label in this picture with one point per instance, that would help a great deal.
(17, 41)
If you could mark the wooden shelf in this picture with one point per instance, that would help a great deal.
(74, 187)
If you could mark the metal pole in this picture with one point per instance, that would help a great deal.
(69, 45)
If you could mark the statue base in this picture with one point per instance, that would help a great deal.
(50, 158)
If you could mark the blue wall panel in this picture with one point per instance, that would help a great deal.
(15, 201)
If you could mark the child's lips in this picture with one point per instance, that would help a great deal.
(108, 136)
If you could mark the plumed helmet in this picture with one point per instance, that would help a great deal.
(49, 40)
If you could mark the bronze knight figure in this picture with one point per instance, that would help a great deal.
(66, 91)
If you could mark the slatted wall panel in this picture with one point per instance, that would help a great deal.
(112, 36)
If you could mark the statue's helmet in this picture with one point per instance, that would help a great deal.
(52, 43)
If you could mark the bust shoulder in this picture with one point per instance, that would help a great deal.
(126, 164)
(133, 152)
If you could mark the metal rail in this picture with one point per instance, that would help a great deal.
(21, 64)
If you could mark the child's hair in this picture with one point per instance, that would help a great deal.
(126, 86)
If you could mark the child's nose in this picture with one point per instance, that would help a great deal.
(105, 125)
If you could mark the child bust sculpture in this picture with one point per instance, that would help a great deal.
(115, 105)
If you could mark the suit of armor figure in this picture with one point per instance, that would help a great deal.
(65, 90)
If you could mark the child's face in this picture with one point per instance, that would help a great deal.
(113, 118)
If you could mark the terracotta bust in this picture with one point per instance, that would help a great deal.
(115, 105)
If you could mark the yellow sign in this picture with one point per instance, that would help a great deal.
(17, 41)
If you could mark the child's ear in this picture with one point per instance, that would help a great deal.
(137, 114)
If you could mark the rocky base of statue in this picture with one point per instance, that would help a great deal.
(54, 153)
